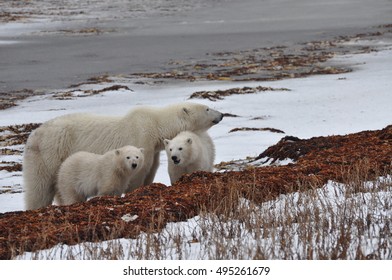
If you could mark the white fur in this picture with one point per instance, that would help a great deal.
(85, 174)
(189, 152)
(146, 127)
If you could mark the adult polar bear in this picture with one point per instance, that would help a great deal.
(144, 127)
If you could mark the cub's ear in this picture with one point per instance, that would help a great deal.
(186, 110)
(189, 140)
(142, 150)
(117, 152)
(166, 142)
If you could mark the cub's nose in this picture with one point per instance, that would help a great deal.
(175, 159)
(134, 165)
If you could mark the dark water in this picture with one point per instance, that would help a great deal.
(56, 60)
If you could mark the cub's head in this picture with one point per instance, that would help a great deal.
(131, 157)
(179, 150)
(199, 116)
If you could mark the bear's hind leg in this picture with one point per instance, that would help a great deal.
(39, 181)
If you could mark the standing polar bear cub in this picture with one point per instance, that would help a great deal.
(84, 174)
(189, 152)
(145, 127)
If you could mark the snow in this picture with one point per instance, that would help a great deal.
(315, 106)
(331, 199)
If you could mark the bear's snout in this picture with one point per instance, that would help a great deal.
(218, 119)
(175, 159)
(134, 165)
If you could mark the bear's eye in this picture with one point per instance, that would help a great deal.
(128, 157)
(171, 150)
(207, 109)
(137, 157)
(180, 149)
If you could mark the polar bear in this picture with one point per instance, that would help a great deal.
(189, 152)
(145, 127)
(84, 174)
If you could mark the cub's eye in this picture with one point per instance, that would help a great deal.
(180, 149)
(128, 157)
(171, 150)
(207, 109)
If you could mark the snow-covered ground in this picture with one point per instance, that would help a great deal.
(314, 106)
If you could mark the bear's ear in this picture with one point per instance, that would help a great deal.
(117, 152)
(186, 110)
(142, 150)
(189, 140)
(166, 142)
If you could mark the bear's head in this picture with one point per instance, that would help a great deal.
(179, 150)
(200, 117)
(131, 157)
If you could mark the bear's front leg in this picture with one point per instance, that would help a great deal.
(153, 170)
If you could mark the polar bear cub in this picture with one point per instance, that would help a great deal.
(189, 152)
(85, 174)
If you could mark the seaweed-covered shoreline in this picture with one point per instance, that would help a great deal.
(322, 159)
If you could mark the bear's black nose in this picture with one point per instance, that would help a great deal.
(175, 159)
(218, 119)
(134, 165)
